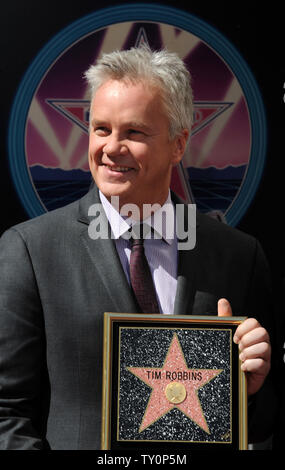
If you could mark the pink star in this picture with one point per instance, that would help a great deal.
(185, 384)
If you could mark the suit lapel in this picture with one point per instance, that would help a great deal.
(186, 282)
(186, 272)
(105, 259)
(189, 300)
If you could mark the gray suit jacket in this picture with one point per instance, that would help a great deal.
(56, 283)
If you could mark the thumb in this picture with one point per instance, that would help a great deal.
(224, 308)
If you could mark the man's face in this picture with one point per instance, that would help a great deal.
(130, 153)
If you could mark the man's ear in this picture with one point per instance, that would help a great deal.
(179, 146)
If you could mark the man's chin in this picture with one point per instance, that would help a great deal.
(116, 191)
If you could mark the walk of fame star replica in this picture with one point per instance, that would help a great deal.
(172, 380)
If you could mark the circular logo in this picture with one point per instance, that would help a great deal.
(48, 128)
(175, 392)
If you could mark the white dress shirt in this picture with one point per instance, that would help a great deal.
(160, 249)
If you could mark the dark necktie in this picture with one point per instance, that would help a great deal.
(141, 279)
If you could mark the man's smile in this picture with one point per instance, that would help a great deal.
(117, 168)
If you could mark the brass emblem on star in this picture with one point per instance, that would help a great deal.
(175, 392)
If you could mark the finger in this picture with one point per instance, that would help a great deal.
(258, 366)
(260, 350)
(224, 308)
(245, 327)
(253, 337)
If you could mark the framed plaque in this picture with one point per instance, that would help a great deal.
(172, 380)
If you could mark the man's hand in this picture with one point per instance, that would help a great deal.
(254, 346)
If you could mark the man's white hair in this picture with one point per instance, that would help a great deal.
(161, 69)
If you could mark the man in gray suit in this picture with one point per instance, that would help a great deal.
(57, 281)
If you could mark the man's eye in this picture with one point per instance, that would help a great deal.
(135, 132)
(101, 131)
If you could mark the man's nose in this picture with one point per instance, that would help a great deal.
(115, 146)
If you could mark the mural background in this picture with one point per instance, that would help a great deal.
(254, 32)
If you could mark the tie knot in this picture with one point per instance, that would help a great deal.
(136, 242)
(138, 239)
(140, 232)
